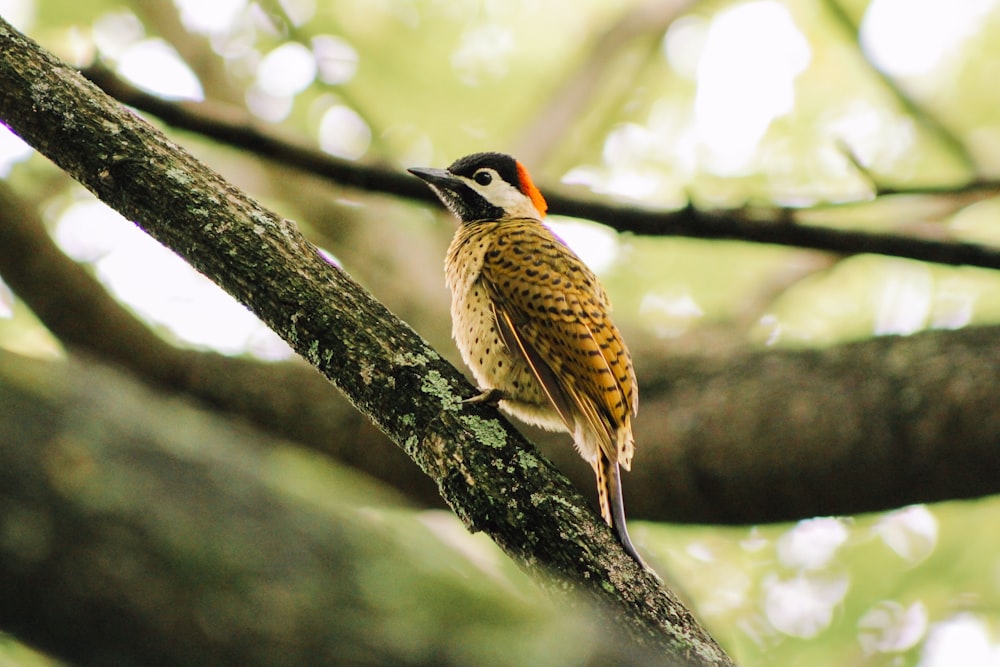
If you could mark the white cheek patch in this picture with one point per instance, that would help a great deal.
(504, 195)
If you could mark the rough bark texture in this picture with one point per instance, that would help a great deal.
(138, 530)
(291, 400)
(492, 478)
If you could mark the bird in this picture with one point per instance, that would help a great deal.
(531, 320)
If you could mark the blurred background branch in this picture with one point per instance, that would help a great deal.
(778, 226)
(797, 401)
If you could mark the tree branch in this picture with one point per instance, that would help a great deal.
(289, 399)
(773, 225)
(139, 530)
(701, 425)
(773, 435)
(491, 477)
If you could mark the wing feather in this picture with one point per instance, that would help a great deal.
(552, 306)
(516, 341)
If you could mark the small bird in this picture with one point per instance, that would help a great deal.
(531, 320)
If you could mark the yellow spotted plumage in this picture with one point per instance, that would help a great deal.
(532, 321)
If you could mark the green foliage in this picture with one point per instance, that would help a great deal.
(880, 591)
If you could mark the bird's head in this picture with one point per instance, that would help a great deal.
(486, 186)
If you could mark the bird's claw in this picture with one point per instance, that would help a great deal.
(490, 397)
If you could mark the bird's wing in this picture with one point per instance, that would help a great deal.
(552, 306)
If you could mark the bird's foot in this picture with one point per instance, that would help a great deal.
(490, 397)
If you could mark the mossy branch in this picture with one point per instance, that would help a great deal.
(492, 478)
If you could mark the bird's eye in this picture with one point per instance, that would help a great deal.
(483, 177)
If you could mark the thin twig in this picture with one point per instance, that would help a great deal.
(915, 110)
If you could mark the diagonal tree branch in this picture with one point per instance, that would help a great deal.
(491, 477)
(776, 226)
(230, 561)
(288, 399)
(826, 424)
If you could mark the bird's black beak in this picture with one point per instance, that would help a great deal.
(441, 178)
(444, 184)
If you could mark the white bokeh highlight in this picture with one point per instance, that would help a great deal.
(153, 65)
(964, 640)
(286, 70)
(342, 132)
(216, 16)
(812, 544)
(912, 37)
(889, 627)
(802, 606)
(911, 532)
(751, 56)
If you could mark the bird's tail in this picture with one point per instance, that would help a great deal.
(609, 495)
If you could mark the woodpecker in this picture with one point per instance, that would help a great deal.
(531, 320)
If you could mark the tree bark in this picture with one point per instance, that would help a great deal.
(745, 438)
(493, 479)
(136, 529)
(783, 435)
(291, 400)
